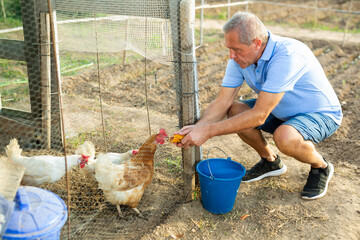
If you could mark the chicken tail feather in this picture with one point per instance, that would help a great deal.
(13, 149)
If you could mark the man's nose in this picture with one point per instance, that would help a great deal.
(232, 54)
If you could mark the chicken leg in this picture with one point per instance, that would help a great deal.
(119, 211)
(138, 212)
(135, 209)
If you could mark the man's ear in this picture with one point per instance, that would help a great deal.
(257, 43)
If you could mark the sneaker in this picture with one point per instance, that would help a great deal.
(317, 182)
(264, 168)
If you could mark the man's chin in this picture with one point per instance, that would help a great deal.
(243, 65)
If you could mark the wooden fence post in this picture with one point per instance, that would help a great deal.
(315, 13)
(182, 16)
(189, 89)
(3, 9)
(347, 24)
(45, 77)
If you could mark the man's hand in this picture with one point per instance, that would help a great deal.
(194, 136)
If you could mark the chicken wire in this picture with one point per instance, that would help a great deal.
(108, 33)
(115, 68)
(119, 82)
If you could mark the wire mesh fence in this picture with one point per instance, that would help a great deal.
(116, 87)
(122, 75)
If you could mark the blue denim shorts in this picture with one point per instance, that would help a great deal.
(314, 127)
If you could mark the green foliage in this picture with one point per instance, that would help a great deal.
(79, 139)
(222, 15)
(174, 165)
(72, 63)
(10, 22)
(209, 36)
(12, 9)
(12, 69)
(13, 80)
(15, 94)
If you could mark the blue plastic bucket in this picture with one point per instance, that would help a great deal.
(219, 183)
(39, 214)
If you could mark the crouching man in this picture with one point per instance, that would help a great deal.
(295, 102)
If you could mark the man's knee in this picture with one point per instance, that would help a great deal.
(286, 138)
(237, 108)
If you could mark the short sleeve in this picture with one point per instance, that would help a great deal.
(233, 76)
(284, 70)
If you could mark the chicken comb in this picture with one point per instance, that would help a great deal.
(162, 132)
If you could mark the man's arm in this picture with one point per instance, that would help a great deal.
(218, 109)
(254, 117)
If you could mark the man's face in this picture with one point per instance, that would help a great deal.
(242, 54)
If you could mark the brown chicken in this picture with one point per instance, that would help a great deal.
(124, 183)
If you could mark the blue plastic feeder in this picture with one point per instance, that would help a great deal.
(219, 183)
(38, 214)
(6, 210)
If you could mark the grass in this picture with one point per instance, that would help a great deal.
(70, 62)
(12, 69)
(312, 25)
(13, 81)
(5, 84)
(14, 94)
(80, 139)
(221, 15)
(209, 36)
(174, 165)
(73, 63)
(10, 23)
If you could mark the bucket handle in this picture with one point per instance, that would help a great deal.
(207, 158)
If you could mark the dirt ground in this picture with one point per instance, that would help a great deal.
(274, 207)
(267, 209)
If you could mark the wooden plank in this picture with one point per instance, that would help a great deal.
(14, 128)
(16, 114)
(11, 174)
(56, 122)
(32, 56)
(188, 62)
(45, 78)
(22, 130)
(175, 35)
(12, 49)
(154, 8)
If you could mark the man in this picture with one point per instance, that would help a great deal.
(295, 103)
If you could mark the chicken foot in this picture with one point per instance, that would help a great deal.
(138, 212)
(135, 209)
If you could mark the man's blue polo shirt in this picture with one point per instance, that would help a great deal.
(287, 65)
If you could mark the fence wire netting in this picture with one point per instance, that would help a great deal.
(123, 72)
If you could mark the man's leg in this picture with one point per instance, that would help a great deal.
(270, 164)
(296, 138)
(253, 136)
(290, 142)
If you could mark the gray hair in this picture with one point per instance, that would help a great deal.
(248, 26)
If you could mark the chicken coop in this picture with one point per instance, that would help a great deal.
(107, 72)
(96, 78)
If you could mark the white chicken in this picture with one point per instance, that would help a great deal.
(115, 158)
(46, 168)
